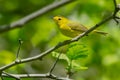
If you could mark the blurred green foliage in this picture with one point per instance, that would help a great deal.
(42, 33)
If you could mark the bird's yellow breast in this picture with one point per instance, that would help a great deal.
(66, 30)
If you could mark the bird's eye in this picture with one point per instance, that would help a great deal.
(59, 18)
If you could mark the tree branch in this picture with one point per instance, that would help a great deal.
(11, 75)
(116, 9)
(115, 3)
(28, 18)
(52, 68)
(52, 76)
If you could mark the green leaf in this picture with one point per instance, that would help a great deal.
(62, 56)
(77, 67)
(77, 51)
(74, 52)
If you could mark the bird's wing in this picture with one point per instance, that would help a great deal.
(77, 27)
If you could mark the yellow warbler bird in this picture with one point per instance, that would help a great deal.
(70, 28)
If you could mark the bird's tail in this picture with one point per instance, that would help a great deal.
(100, 32)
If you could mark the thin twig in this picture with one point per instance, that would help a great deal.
(11, 75)
(115, 4)
(18, 51)
(116, 9)
(52, 68)
(30, 17)
(69, 73)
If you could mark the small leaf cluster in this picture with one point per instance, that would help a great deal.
(75, 52)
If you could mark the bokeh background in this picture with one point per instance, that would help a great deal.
(42, 33)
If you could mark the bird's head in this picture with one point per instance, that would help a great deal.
(60, 20)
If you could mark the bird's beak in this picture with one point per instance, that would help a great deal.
(55, 18)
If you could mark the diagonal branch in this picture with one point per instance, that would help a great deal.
(11, 75)
(115, 3)
(116, 9)
(28, 18)
(53, 66)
